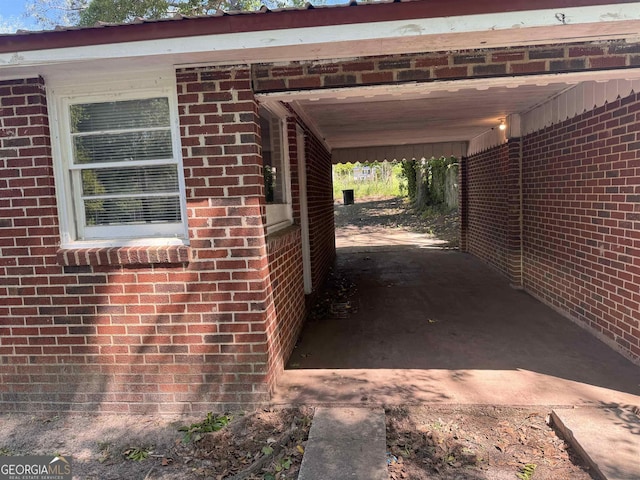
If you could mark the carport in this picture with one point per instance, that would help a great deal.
(436, 325)
(215, 292)
(443, 326)
(548, 201)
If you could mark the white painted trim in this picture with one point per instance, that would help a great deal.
(573, 102)
(280, 215)
(63, 93)
(304, 211)
(523, 27)
(586, 91)
(485, 141)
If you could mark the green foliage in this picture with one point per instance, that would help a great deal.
(283, 464)
(409, 173)
(92, 186)
(137, 454)
(385, 180)
(435, 176)
(196, 431)
(526, 472)
(49, 13)
(116, 11)
(269, 193)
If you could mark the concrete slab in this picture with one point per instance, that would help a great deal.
(346, 444)
(607, 438)
(440, 326)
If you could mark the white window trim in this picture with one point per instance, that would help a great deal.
(280, 215)
(124, 86)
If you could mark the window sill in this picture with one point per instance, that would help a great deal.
(279, 216)
(126, 255)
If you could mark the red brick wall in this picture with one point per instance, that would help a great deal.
(447, 65)
(29, 306)
(582, 220)
(487, 206)
(285, 272)
(169, 330)
(320, 205)
(134, 329)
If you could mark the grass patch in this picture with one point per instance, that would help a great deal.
(385, 181)
(212, 423)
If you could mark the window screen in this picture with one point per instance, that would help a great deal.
(124, 171)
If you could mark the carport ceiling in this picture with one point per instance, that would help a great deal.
(411, 115)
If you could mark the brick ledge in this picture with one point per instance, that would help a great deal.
(279, 238)
(124, 255)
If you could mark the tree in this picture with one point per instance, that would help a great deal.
(49, 13)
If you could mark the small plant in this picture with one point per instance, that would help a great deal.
(136, 453)
(5, 452)
(105, 451)
(196, 431)
(283, 464)
(526, 472)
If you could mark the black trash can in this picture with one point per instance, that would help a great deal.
(347, 197)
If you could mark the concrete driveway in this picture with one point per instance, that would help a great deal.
(437, 325)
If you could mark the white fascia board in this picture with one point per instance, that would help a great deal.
(577, 23)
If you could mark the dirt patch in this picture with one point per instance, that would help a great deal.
(385, 215)
(265, 444)
(423, 442)
(477, 443)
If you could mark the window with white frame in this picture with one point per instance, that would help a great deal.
(122, 178)
(275, 157)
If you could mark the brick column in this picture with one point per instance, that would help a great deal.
(29, 238)
(225, 200)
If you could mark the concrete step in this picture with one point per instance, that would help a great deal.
(346, 444)
(607, 438)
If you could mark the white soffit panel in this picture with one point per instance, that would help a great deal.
(575, 101)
